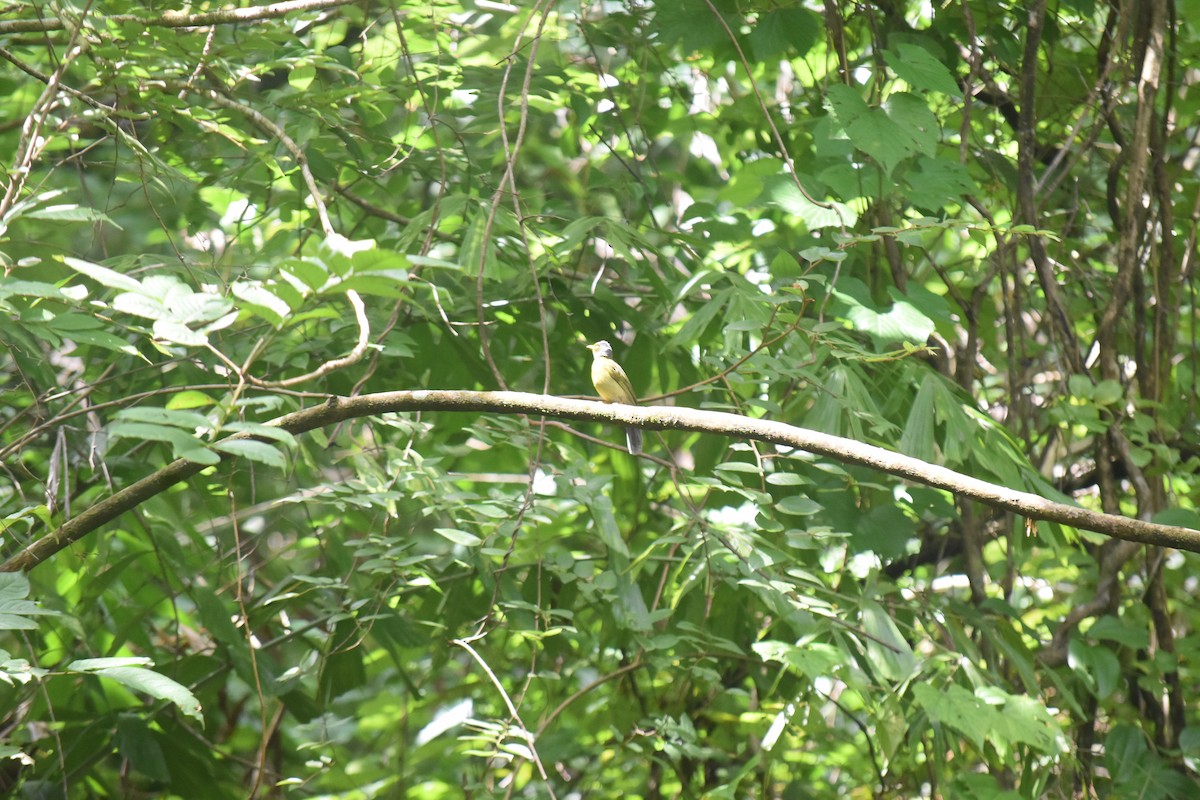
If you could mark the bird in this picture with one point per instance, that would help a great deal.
(613, 385)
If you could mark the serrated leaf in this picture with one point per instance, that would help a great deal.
(921, 69)
(785, 30)
(902, 127)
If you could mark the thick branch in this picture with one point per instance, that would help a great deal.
(181, 19)
(338, 409)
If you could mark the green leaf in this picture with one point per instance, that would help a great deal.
(147, 432)
(140, 680)
(901, 322)
(10, 286)
(1098, 666)
(261, 301)
(921, 70)
(70, 213)
(914, 120)
(937, 183)
(798, 505)
(1139, 772)
(310, 273)
(477, 254)
(183, 444)
(13, 586)
(139, 305)
(1183, 517)
(704, 316)
(253, 450)
(1114, 629)
(887, 649)
(103, 275)
(458, 537)
(301, 76)
(956, 708)
(794, 31)
(168, 330)
(902, 127)
(782, 192)
(606, 526)
(139, 745)
(272, 432)
(188, 420)
(811, 659)
(189, 398)
(84, 330)
(739, 466)
(917, 440)
(93, 664)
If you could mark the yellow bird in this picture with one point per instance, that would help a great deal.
(613, 385)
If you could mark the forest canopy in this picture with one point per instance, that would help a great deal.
(245, 246)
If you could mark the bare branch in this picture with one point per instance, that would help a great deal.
(338, 409)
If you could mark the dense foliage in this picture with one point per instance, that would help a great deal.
(965, 231)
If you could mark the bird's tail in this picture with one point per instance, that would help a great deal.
(633, 440)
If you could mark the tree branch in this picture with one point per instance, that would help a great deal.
(339, 409)
(180, 19)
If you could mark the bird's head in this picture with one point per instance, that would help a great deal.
(601, 348)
